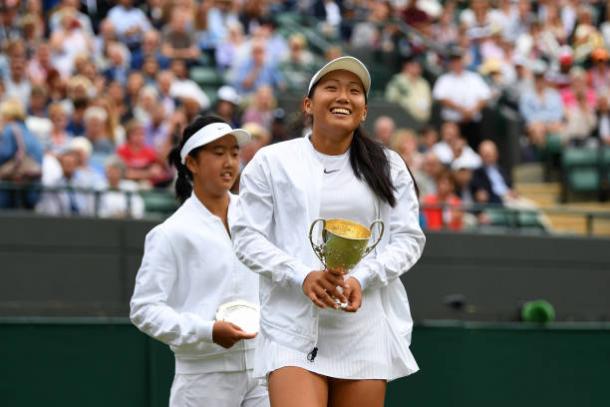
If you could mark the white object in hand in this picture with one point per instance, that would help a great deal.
(244, 314)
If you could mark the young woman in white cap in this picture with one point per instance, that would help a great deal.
(313, 352)
(190, 281)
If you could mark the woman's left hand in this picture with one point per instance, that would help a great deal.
(353, 293)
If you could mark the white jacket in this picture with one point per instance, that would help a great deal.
(279, 199)
(188, 270)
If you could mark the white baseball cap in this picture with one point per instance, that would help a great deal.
(347, 63)
(209, 133)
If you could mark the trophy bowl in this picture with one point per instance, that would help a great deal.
(344, 242)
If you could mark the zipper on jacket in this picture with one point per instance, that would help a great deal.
(312, 355)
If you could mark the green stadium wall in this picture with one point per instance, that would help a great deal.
(108, 362)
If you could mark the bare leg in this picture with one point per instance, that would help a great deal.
(295, 387)
(363, 393)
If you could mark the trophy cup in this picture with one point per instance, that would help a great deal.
(344, 243)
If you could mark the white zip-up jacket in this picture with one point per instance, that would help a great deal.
(189, 268)
(280, 195)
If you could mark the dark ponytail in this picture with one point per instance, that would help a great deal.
(184, 186)
(369, 161)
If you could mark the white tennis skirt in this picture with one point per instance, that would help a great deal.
(357, 346)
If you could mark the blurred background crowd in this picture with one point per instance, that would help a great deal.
(94, 94)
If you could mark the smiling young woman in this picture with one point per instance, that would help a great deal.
(189, 273)
(312, 352)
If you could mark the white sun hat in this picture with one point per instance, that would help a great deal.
(347, 63)
(209, 133)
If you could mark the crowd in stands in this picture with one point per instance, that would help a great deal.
(94, 94)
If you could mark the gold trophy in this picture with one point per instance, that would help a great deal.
(344, 243)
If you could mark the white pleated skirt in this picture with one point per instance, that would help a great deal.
(356, 346)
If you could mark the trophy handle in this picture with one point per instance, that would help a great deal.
(381, 230)
(317, 249)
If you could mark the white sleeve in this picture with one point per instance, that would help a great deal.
(406, 240)
(253, 225)
(439, 91)
(154, 282)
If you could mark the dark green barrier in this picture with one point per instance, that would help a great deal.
(107, 362)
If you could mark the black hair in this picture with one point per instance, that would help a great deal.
(184, 180)
(368, 160)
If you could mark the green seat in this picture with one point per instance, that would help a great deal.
(499, 217)
(583, 179)
(159, 202)
(205, 76)
(553, 144)
(579, 157)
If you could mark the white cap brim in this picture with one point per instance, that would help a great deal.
(346, 63)
(212, 132)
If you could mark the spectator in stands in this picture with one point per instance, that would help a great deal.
(442, 210)
(130, 23)
(542, 109)
(220, 16)
(183, 88)
(69, 195)
(40, 65)
(410, 90)
(86, 172)
(428, 137)
(462, 174)
(257, 71)
(70, 7)
(463, 95)
(165, 79)
(158, 131)
(404, 142)
(260, 137)
(142, 163)
(16, 83)
(120, 198)
(383, 129)
(151, 47)
(148, 99)
(69, 40)
(450, 131)
(580, 121)
(39, 99)
(463, 154)
(178, 38)
(227, 105)
(261, 107)
(599, 74)
(59, 137)
(20, 157)
(490, 184)
(601, 132)
(375, 32)
(299, 67)
(231, 47)
(97, 134)
(432, 167)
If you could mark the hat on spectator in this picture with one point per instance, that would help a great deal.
(81, 144)
(229, 94)
(212, 132)
(539, 67)
(566, 56)
(346, 63)
(455, 52)
(490, 66)
(599, 54)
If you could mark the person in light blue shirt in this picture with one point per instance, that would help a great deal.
(541, 108)
(257, 71)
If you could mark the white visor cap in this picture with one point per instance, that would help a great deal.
(347, 63)
(209, 133)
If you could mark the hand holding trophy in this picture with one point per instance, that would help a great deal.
(344, 244)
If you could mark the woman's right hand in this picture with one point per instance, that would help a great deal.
(321, 288)
(227, 334)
